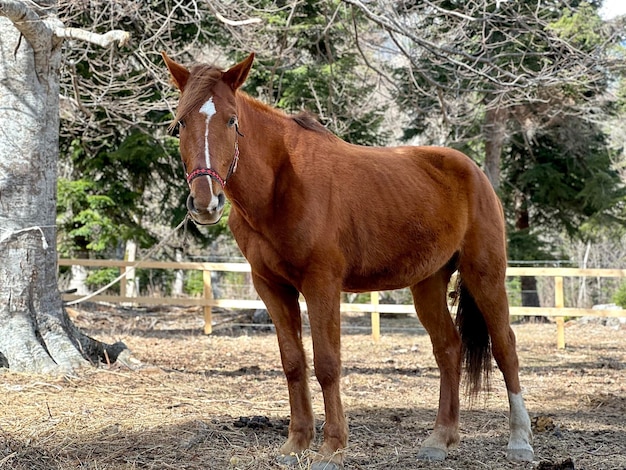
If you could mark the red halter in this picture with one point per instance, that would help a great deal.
(210, 172)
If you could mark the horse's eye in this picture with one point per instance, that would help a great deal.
(174, 130)
(232, 121)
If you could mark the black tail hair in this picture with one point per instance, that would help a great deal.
(475, 342)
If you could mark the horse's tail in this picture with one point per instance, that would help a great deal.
(475, 342)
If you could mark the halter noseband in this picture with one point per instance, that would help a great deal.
(205, 172)
(214, 175)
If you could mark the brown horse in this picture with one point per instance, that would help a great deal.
(316, 215)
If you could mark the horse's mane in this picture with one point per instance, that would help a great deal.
(304, 119)
(203, 77)
(309, 121)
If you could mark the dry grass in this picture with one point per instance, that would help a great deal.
(180, 406)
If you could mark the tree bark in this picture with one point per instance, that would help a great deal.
(130, 254)
(179, 275)
(530, 296)
(495, 135)
(78, 279)
(36, 335)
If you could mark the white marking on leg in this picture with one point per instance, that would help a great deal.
(519, 447)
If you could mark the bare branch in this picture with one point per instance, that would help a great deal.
(511, 55)
(103, 40)
(224, 20)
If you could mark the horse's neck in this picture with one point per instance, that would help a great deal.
(262, 150)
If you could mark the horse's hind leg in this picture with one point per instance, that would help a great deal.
(489, 294)
(429, 297)
(282, 304)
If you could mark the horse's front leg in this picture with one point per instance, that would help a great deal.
(323, 300)
(282, 304)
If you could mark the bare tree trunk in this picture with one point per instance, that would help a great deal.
(130, 254)
(495, 135)
(36, 334)
(530, 295)
(179, 276)
(79, 275)
(582, 293)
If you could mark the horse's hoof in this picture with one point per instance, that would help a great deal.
(325, 466)
(290, 460)
(432, 453)
(520, 455)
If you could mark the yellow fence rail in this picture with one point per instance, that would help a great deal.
(208, 302)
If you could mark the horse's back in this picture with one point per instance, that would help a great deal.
(402, 213)
(384, 217)
(430, 185)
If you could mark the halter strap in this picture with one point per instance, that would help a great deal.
(210, 172)
(205, 172)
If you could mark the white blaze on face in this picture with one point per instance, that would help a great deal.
(208, 109)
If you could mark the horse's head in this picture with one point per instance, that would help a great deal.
(208, 131)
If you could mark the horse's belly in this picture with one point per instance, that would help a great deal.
(385, 279)
(367, 286)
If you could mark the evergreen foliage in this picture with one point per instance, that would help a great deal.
(114, 148)
(122, 175)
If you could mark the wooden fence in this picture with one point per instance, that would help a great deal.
(207, 301)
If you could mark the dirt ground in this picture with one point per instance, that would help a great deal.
(191, 401)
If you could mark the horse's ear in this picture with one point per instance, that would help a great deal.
(237, 74)
(179, 73)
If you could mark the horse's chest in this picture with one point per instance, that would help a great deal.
(268, 256)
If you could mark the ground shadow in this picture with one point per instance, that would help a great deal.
(381, 438)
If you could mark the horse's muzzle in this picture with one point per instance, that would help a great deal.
(209, 214)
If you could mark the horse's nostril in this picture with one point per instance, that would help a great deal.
(217, 203)
(190, 205)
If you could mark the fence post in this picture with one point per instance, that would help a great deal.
(207, 292)
(375, 317)
(559, 302)
(123, 282)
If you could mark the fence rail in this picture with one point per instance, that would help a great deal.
(208, 302)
